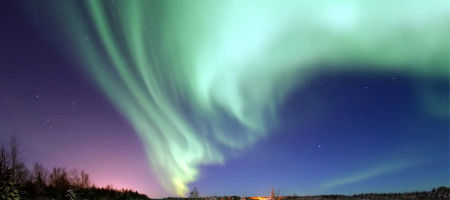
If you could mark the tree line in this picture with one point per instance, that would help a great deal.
(18, 182)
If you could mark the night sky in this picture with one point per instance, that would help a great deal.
(231, 97)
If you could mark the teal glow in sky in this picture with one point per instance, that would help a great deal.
(201, 80)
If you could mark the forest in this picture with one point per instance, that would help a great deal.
(19, 182)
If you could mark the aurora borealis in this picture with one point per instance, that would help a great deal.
(205, 82)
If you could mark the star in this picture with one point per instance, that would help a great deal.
(73, 105)
(49, 125)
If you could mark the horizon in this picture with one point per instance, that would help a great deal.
(161, 97)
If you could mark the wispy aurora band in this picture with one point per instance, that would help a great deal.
(197, 79)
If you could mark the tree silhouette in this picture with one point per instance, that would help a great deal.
(194, 193)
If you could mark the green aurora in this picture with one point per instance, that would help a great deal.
(199, 80)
